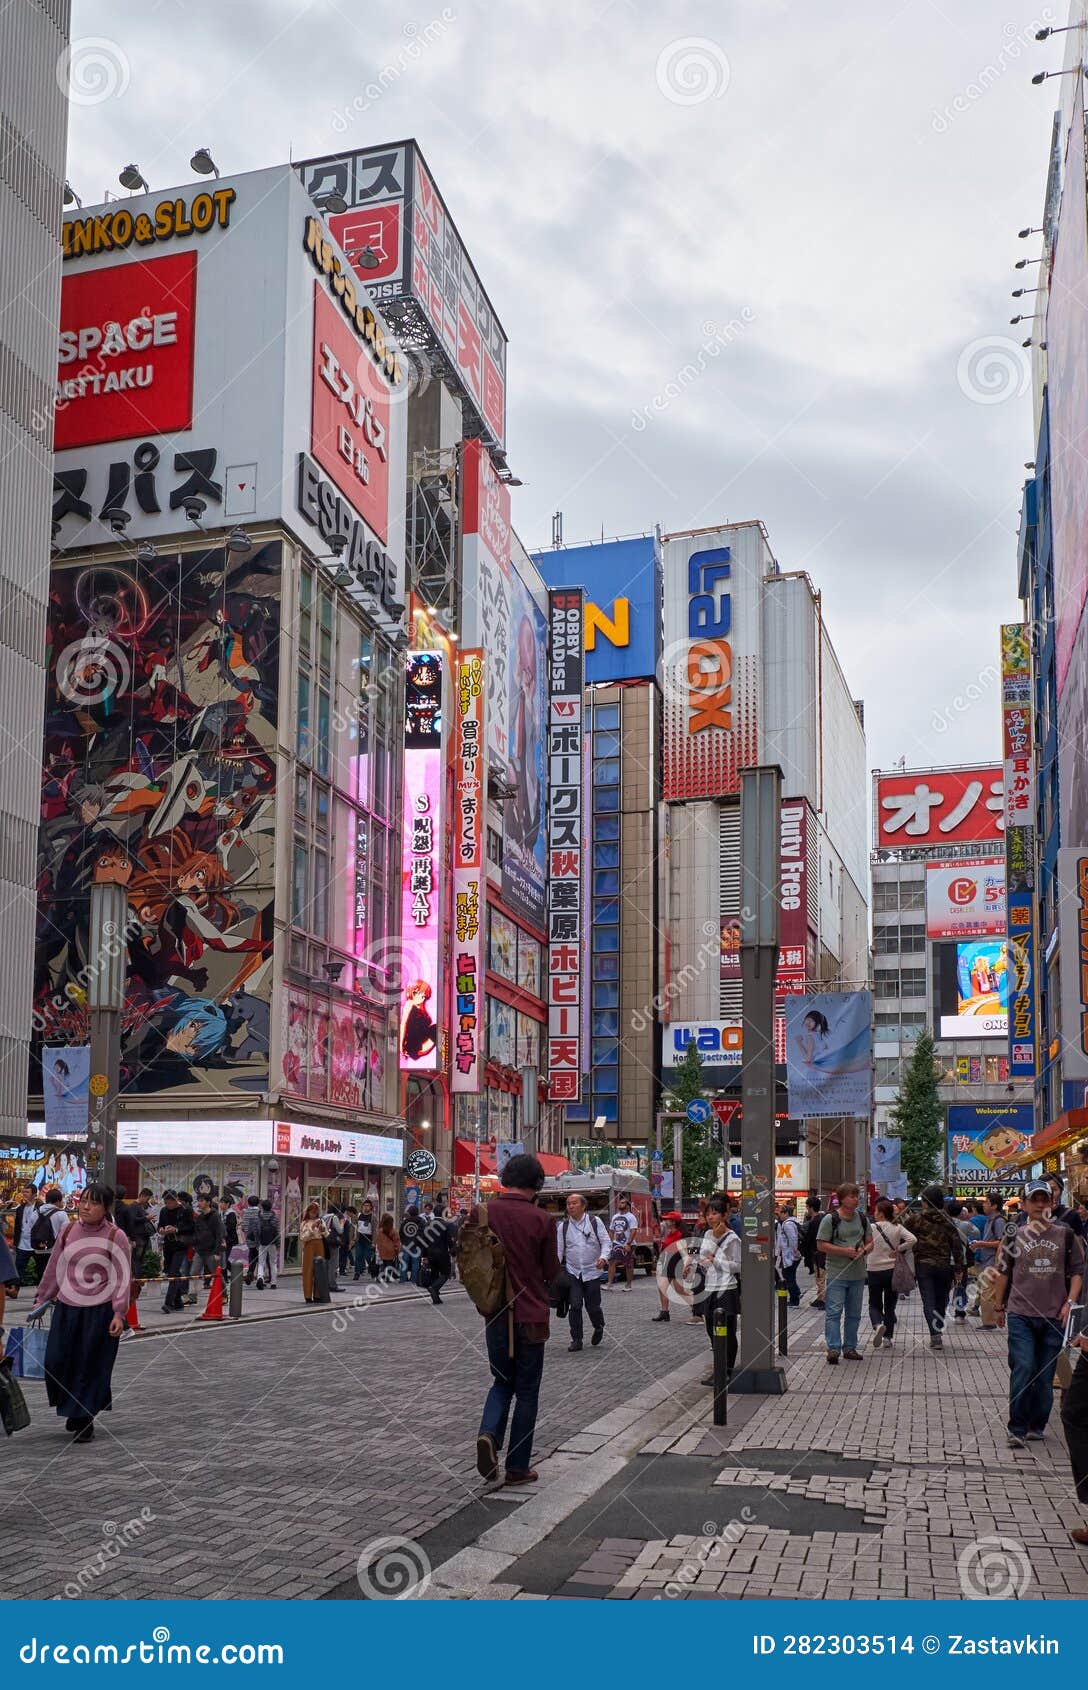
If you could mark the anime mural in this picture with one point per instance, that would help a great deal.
(159, 775)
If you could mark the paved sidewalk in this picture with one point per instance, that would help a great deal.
(886, 1478)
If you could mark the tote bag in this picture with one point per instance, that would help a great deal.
(25, 1348)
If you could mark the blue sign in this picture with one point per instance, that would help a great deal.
(698, 1110)
(622, 581)
(983, 1138)
(412, 1194)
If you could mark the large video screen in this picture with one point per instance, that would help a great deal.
(973, 989)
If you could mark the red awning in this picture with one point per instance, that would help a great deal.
(464, 1156)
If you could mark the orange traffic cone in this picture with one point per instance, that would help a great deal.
(132, 1319)
(213, 1309)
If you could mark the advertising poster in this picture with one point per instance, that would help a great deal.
(566, 920)
(983, 1138)
(622, 580)
(829, 1053)
(1073, 931)
(973, 989)
(1067, 396)
(486, 544)
(346, 1060)
(503, 950)
(885, 1162)
(66, 1073)
(1020, 843)
(43, 1165)
(935, 807)
(295, 1061)
(522, 766)
(965, 900)
(421, 914)
(469, 889)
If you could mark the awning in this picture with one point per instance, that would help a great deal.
(464, 1151)
(1069, 1128)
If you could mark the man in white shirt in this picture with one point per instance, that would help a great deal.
(719, 1272)
(583, 1246)
(622, 1229)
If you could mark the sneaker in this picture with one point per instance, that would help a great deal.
(1014, 1441)
(961, 1314)
(818, 1303)
(833, 1358)
(878, 1336)
(852, 1355)
(1036, 1437)
(598, 1335)
(628, 1288)
(664, 1315)
(260, 1284)
(936, 1343)
(576, 1344)
(487, 1457)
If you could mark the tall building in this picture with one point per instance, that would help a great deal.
(33, 39)
(941, 960)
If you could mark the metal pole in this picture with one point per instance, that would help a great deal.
(760, 813)
(678, 1164)
(105, 999)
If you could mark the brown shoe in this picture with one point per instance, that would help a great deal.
(833, 1357)
(515, 1478)
(1080, 1536)
(852, 1355)
(487, 1457)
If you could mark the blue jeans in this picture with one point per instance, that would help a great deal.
(789, 1280)
(409, 1266)
(1033, 1350)
(515, 1379)
(843, 1299)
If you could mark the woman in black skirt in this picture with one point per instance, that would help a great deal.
(88, 1282)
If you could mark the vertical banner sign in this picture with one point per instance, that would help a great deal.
(565, 824)
(469, 895)
(421, 916)
(1022, 938)
(1073, 936)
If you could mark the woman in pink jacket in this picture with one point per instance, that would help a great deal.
(87, 1281)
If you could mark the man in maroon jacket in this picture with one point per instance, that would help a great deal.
(527, 1235)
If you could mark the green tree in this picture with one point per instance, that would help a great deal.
(701, 1155)
(919, 1117)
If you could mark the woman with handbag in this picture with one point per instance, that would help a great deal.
(312, 1234)
(88, 1281)
(889, 1272)
(387, 1249)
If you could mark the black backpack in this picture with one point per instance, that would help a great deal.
(41, 1233)
(268, 1229)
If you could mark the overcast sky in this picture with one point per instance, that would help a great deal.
(811, 211)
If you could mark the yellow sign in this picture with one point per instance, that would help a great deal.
(115, 231)
(616, 628)
(98, 1085)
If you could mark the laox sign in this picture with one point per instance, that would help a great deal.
(710, 655)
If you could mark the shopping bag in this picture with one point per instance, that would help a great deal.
(14, 1414)
(903, 1276)
(25, 1348)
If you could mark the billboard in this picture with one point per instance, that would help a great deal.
(1067, 388)
(1019, 766)
(972, 980)
(349, 421)
(622, 579)
(66, 1073)
(469, 884)
(983, 1138)
(711, 659)
(935, 807)
(719, 1043)
(829, 1053)
(792, 969)
(566, 923)
(1020, 840)
(421, 912)
(965, 900)
(423, 275)
(521, 764)
(1073, 938)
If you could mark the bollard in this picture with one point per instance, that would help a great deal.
(721, 1376)
(321, 1280)
(783, 1296)
(234, 1300)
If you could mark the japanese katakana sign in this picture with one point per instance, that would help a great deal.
(469, 892)
(566, 736)
(920, 807)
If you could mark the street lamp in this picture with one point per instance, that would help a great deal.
(105, 1000)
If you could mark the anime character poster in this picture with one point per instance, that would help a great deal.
(44, 1165)
(984, 1139)
(159, 775)
(66, 1074)
(523, 862)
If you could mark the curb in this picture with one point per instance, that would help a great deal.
(196, 1324)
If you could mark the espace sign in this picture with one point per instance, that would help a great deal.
(710, 663)
(125, 356)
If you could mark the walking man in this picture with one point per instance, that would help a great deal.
(846, 1240)
(516, 1336)
(268, 1246)
(230, 1231)
(584, 1251)
(622, 1229)
(789, 1252)
(251, 1227)
(1040, 1271)
(986, 1251)
(177, 1228)
(939, 1255)
(207, 1239)
(25, 1216)
(811, 1257)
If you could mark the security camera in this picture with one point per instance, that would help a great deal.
(118, 520)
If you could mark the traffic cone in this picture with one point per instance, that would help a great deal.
(132, 1319)
(213, 1309)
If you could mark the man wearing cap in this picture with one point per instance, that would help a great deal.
(1040, 1269)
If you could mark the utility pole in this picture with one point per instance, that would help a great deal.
(760, 873)
(105, 1000)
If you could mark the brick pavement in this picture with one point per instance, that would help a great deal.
(271, 1453)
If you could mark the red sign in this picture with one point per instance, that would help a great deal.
(486, 503)
(924, 807)
(375, 226)
(350, 418)
(125, 357)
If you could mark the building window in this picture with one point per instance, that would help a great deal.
(606, 798)
(914, 983)
(606, 770)
(494, 847)
(885, 896)
(606, 909)
(605, 827)
(605, 996)
(606, 744)
(885, 984)
(912, 897)
(606, 938)
(606, 716)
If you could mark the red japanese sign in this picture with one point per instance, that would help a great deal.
(922, 807)
(350, 416)
(125, 356)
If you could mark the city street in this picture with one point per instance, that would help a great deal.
(275, 1458)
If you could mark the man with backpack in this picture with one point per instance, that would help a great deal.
(788, 1252)
(48, 1225)
(268, 1246)
(939, 1255)
(23, 1224)
(508, 1261)
(846, 1240)
(250, 1229)
(1040, 1270)
(584, 1251)
(811, 1257)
